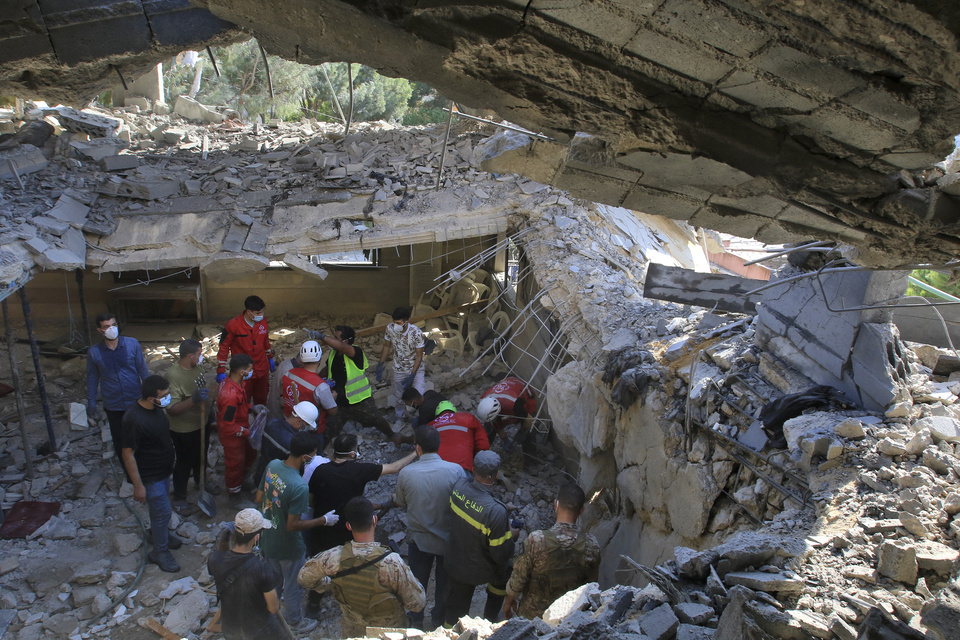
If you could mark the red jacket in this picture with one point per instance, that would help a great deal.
(461, 437)
(233, 409)
(299, 385)
(516, 403)
(240, 337)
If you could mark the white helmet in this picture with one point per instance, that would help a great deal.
(310, 351)
(307, 411)
(488, 409)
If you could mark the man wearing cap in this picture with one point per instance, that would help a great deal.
(278, 432)
(481, 542)
(423, 489)
(303, 383)
(247, 585)
(284, 497)
(371, 583)
(461, 437)
(427, 406)
(346, 366)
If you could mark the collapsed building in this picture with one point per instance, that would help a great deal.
(830, 514)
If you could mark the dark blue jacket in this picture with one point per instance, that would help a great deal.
(118, 373)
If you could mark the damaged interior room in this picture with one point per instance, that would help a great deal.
(693, 261)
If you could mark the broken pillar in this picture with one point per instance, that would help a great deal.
(226, 267)
(148, 86)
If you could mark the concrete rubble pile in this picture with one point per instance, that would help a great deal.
(122, 189)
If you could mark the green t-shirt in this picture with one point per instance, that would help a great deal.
(182, 385)
(284, 492)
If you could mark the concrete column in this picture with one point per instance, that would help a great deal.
(149, 86)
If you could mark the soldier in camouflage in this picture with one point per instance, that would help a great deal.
(553, 561)
(372, 584)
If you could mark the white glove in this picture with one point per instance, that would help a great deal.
(330, 518)
(258, 408)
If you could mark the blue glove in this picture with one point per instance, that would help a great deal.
(507, 444)
(330, 383)
(408, 381)
(221, 377)
(200, 395)
(273, 367)
(313, 334)
(380, 372)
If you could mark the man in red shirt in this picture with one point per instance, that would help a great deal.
(304, 384)
(461, 437)
(248, 333)
(510, 401)
(233, 423)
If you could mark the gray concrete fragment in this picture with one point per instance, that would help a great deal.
(692, 632)
(226, 267)
(761, 581)
(94, 124)
(120, 162)
(185, 616)
(898, 561)
(193, 110)
(144, 189)
(64, 259)
(24, 159)
(659, 623)
(693, 613)
(98, 148)
(304, 266)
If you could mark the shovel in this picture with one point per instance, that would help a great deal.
(206, 502)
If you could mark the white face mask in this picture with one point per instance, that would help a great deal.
(248, 375)
(165, 401)
(258, 318)
(200, 359)
(411, 409)
(111, 333)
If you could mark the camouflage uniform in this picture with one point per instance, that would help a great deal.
(537, 574)
(365, 602)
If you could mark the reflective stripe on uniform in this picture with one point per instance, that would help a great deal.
(484, 529)
(300, 380)
(453, 427)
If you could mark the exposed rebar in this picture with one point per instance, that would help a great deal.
(18, 392)
(443, 151)
(41, 384)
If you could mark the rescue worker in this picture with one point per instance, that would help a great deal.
(553, 561)
(303, 383)
(372, 583)
(189, 393)
(249, 334)
(233, 424)
(461, 437)
(408, 343)
(427, 406)
(278, 432)
(481, 542)
(346, 366)
(510, 401)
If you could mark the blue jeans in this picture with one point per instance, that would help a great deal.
(291, 591)
(158, 501)
(421, 563)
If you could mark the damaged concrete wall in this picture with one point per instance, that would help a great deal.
(857, 351)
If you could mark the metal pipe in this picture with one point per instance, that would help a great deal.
(336, 100)
(784, 252)
(216, 69)
(41, 383)
(15, 378)
(346, 129)
(266, 65)
(539, 136)
(443, 151)
(931, 289)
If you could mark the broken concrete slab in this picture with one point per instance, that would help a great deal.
(762, 581)
(143, 189)
(24, 159)
(898, 561)
(95, 125)
(98, 148)
(120, 162)
(11, 267)
(226, 267)
(63, 259)
(304, 266)
(70, 211)
(193, 110)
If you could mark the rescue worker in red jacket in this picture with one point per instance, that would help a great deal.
(233, 423)
(304, 384)
(510, 401)
(248, 333)
(461, 436)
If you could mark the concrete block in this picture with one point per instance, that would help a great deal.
(56, 258)
(120, 163)
(193, 110)
(98, 148)
(937, 557)
(677, 56)
(174, 136)
(898, 562)
(745, 87)
(878, 369)
(257, 238)
(882, 105)
(601, 21)
(185, 616)
(806, 72)
(659, 623)
(569, 602)
(693, 613)
(139, 188)
(843, 128)
(46, 224)
(161, 108)
(768, 582)
(136, 101)
(73, 240)
(70, 211)
(667, 171)
(36, 245)
(78, 416)
(235, 237)
(304, 266)
(25, 159)
(942, 427)
(515, 629)
(713, 25)
(691, 632)
(93, 124)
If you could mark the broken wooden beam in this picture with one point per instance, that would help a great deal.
(708, 290)
(154, 625)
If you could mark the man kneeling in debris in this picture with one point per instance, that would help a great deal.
(247, 585)
(372, 584)
(510, 401)
(553, 561)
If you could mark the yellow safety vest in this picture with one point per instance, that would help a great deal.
(358, 386)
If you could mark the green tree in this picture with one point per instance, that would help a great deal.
(943, 281)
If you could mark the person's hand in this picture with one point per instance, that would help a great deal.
(140, 493)
(273, 366)
(380, 368)
(408, 381)
(330, 383)
(221, 377)
(509, 610)
(330, 518)
(315, 335)
(243, 433)
(258, 408)
(200, 395)
(93, 413)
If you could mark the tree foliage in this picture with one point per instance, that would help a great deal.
(942, 281)
(301, 90)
